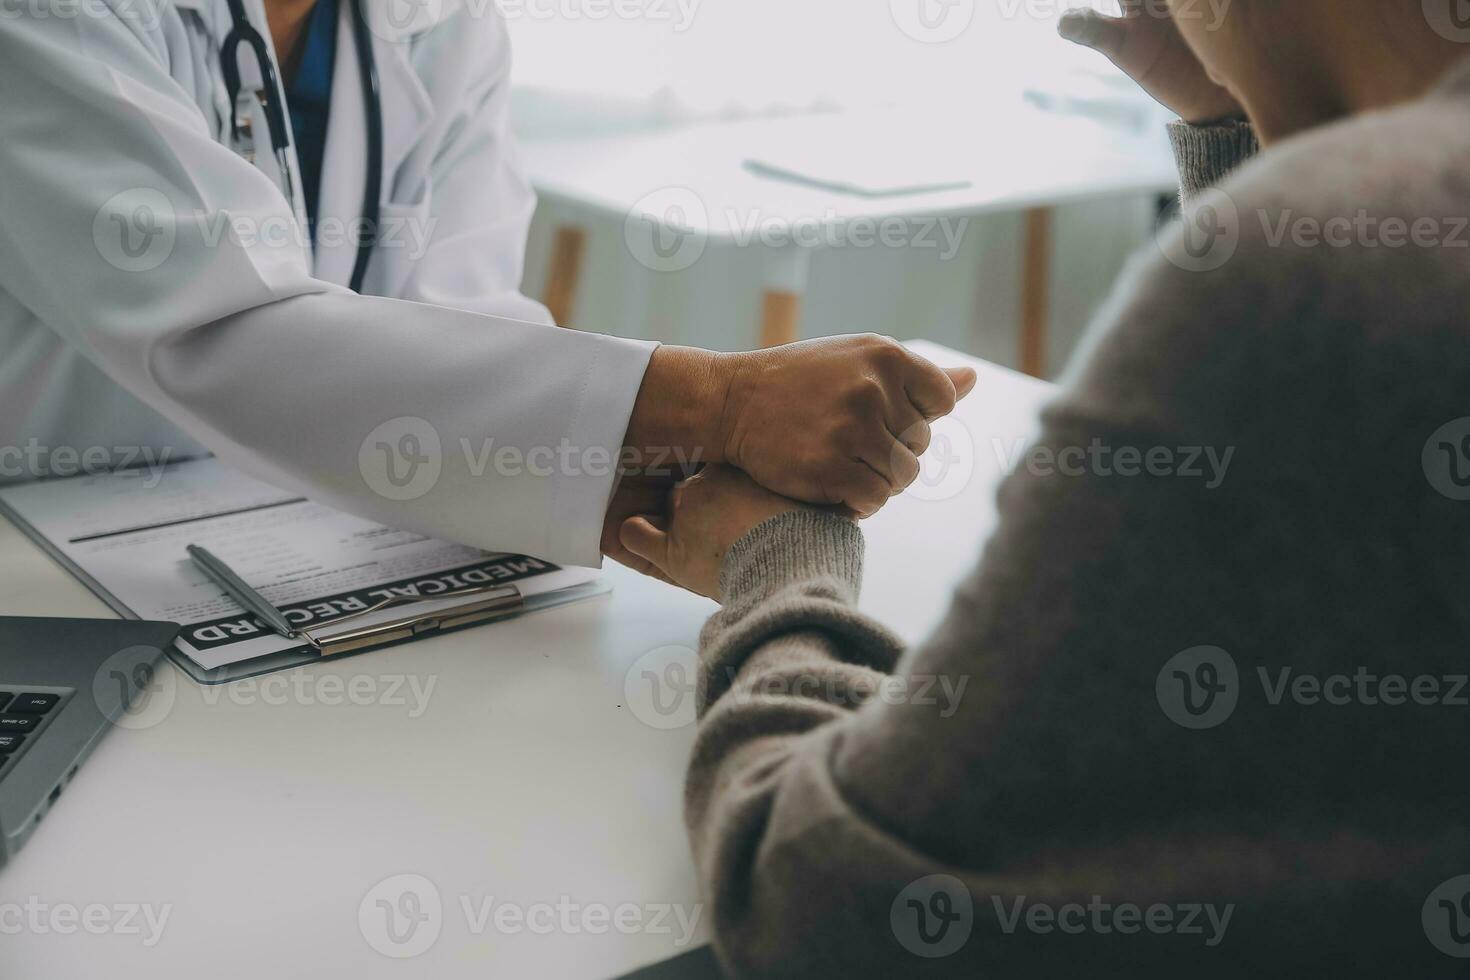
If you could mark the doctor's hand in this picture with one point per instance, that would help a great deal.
(636, 494)
(1147, 46)
(686, 543)
(841, 420)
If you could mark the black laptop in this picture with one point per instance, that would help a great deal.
(63, 684)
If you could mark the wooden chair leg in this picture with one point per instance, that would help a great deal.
(780, 318)
(564, 273)
(1035, 290)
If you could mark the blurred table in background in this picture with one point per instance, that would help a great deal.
(680, 191)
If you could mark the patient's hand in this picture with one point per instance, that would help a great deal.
(1146, 44)
(705, 516)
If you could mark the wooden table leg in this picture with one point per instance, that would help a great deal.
(785, 270)
(780, 318)
(564, 273)
(1035, 290)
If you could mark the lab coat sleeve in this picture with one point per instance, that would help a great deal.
(172, 264)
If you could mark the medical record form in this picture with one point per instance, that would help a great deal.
(125, 535)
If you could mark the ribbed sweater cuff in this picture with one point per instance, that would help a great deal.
(1206, 155)
(796, 546)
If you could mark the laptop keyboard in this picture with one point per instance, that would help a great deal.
(23, 714)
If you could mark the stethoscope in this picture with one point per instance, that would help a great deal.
(243, 136)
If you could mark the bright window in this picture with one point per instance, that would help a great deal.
(714, 58)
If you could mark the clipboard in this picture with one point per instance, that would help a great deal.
(454, 587)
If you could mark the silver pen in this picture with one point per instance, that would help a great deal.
(225, 577)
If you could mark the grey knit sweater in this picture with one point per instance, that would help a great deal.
(1205, 730)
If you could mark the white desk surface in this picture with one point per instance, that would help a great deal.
(1014, 158)
(264, 821)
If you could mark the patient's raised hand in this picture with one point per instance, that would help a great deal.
(1147, 45)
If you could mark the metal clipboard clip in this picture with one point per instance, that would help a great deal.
(494, 601)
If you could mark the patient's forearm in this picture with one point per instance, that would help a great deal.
(784, 662)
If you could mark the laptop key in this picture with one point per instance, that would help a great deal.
(5, 697)
(34, 704)
(17, 723)
(9, 743)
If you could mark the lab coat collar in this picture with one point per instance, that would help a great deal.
(407, 112)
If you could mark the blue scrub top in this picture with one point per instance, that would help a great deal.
(309, 98)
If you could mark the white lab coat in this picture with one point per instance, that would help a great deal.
(131, 318)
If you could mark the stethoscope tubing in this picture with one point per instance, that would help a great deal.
(244, 32)
(372, 100)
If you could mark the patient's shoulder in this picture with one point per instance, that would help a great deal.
(1325, 283)
(1386, 188)
(1356, 216)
